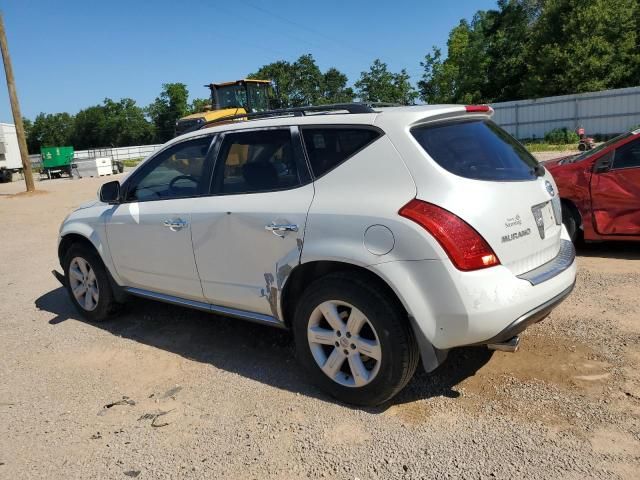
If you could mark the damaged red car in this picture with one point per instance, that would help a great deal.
(600, 190)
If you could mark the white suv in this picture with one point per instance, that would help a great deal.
(378, 236)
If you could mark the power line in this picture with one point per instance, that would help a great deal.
(339, 43)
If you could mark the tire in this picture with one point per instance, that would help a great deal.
(8, 176)
(98, 283)
(570, 221)
(384, 333)
(582, 147)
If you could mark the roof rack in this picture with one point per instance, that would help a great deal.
(294, 112)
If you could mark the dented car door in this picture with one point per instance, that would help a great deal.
(248, 235)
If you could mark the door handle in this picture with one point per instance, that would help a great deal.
(280, 229)
(175, 224)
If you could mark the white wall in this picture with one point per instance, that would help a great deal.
(605, 112)
(9, 150)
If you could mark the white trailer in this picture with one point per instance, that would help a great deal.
(10, 162)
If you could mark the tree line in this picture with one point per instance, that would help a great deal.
(521, 49)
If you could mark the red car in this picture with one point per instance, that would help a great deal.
(600, 190)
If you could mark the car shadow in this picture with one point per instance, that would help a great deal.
(262, 353)
(619, 250)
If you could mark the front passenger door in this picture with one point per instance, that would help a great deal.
(149, 234)
(615, 194)
(248, 235)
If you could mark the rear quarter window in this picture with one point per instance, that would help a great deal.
(329, 147)
(477, 149)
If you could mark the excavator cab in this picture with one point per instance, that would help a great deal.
(229, 99)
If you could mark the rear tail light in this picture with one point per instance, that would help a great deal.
(478, 108)
(465, 247)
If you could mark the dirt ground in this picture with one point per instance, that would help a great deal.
(165, 392)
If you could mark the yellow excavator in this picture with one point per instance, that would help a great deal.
(229, 99)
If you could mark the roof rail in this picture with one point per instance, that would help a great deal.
(294, 112)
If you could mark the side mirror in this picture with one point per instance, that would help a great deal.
(603, 164)
(110, 193)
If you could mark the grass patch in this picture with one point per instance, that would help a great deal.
(551, 147)
(132, 162)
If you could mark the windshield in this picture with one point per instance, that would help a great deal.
(231, 96)
(600, 147)
(258, 101)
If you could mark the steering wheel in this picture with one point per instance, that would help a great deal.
(182, 177)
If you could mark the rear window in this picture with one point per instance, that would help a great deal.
(477, 149)
(329, 147)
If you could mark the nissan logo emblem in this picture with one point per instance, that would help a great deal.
(549, 188)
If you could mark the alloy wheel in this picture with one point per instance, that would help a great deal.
(344, 343)
(84, 284)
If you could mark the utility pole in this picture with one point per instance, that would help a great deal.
(15, 108)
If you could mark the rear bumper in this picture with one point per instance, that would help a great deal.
(533, 316)
(453, 308)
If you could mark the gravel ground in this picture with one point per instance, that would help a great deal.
(202, 396)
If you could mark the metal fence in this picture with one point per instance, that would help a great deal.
(607, 112)
(119, 153)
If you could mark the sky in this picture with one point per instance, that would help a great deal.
(69, 54)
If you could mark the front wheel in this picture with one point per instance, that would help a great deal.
(88, 284)
(354, 341)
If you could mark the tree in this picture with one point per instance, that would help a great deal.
(113, 124)
(125, 123)
(198, 105)
(584, 45)
(533, 48)
(167, 108)
(334, 88)
(88, 130)
(307, 82)
(508, 35)
(281, 74)
(381, 85)
(50, 130)
(303, 83)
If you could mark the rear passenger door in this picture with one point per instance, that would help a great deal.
(248, 234)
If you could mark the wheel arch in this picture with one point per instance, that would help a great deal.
(70, 239)
(73, 237)
(573, 208)
(305, 273)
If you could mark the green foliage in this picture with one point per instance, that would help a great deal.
(380, 85)
(534, 48)
(584, 46)
(199, 105)
(167, 108)
(551, 147)
(303, 83)
(561, 136)
(132, 162)
(281, 75)
(334, 88)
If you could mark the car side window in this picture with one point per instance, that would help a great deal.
(256, 161)
(175, 173)
(329, 147)
(627, 156)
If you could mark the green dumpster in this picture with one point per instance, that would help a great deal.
(56, 160)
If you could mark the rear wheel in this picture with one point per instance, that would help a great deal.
(570, 221)
(88, 284)
(355, 342)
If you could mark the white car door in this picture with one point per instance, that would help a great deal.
(149, 232)
(248, 234)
